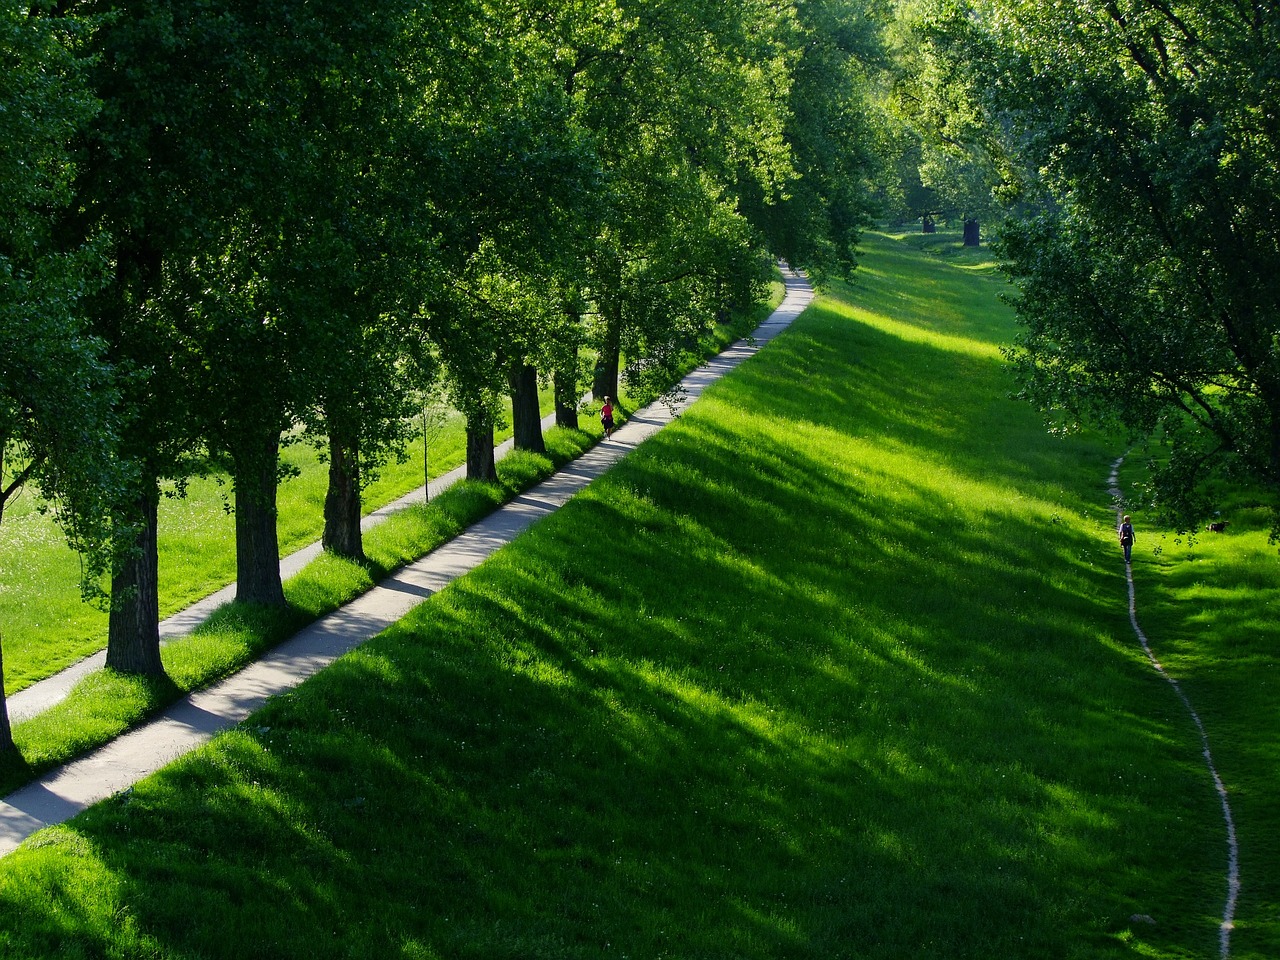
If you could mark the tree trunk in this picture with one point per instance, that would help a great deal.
(605, 381)
(257, 542)
(565, 387)
(972, 237)
(342, 534)
(6, 732)
(1272, 392)
(480, 462)
(526, 415)
(133, 624)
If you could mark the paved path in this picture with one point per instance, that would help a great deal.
(64, 792)
(40, 696)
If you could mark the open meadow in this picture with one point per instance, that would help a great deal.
(838, 665)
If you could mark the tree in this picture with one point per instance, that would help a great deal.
(835, 131)
(1150, 281)
(56, 391)
(344, 259)
(515, 176)
(151, 175)
(958, 160)
(686, 104)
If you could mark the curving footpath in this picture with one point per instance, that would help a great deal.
(62, 793)
(1233, 848)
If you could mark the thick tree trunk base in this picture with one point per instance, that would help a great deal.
(526, 415)
(481, 465)
(972, 234)
(133, 623)
(6, 731)
(342, 534)
(257, 541)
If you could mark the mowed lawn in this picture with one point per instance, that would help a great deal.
(839, 665)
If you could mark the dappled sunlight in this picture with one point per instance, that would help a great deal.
(828, 667)
(916, 332)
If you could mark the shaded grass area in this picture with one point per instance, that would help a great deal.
(107, 703)
(835, 666)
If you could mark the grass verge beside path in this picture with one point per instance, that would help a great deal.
(106, 704)
(1211, 607)
(837, 665)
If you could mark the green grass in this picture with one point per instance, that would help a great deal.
(1211, 606)
(106, 704)
(46, 626)
(838, 665)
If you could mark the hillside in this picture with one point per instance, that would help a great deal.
(837, 665)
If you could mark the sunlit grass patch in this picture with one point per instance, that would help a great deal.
(827, 668)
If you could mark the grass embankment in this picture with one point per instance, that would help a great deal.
(106, 703)
(838, 665)
(1211, 606)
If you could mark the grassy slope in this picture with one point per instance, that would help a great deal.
(836, 666)
(1211, 606)
(105, 704)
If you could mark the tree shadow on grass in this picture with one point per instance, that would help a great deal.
(720, 706)
(812, 686)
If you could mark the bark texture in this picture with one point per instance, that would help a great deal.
(481, 465)
(342, 534)
(133, 624)
(526, 415)
(257, 542)
(6, 732)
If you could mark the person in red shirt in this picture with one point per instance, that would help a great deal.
(606, 417)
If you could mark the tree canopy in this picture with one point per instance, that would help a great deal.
(1147, 262)
(57, 417)
(232, 225)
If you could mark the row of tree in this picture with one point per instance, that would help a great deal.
(1137, 145)
(232, 223)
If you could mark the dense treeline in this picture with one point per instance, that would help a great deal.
(1138, 143)
(232, 224)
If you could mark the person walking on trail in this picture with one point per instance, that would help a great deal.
(1126, 538)
(606, 417)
